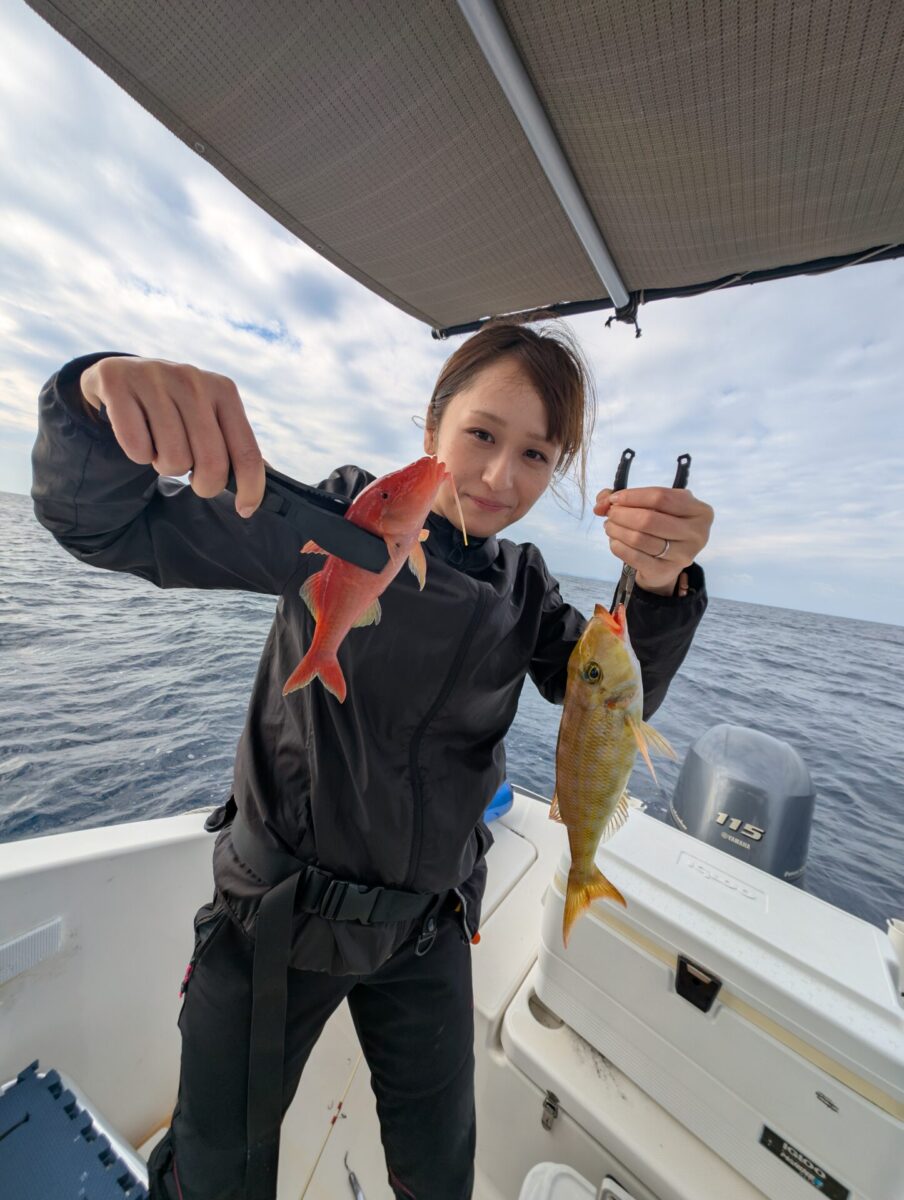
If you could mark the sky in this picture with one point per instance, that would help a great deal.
(788, 395)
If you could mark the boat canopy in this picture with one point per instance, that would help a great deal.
(465, 160)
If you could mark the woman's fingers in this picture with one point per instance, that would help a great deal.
(679, 502)
(167, 428)
(669, 564)
(652, 545)
(601, 504)
(180, 419)
(243, 451)
(658, 531)
(210, 459)
(642, 523)
(130, 427)
(653, 574)
(646, 518)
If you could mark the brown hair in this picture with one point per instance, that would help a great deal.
(553, 361)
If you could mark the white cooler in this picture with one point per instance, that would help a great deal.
(766, 1021)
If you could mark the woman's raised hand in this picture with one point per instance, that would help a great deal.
(658, 531)
(179, 418)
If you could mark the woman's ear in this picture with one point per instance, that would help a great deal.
(429, 440)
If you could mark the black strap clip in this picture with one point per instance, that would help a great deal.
(223, 814)
(344, 901)
(427, 936)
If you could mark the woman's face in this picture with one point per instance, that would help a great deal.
(493, 438)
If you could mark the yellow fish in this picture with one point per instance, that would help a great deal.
(601, 730)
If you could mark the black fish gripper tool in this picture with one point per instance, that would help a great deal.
(625, 585)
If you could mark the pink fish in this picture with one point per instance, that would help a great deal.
(342, 596)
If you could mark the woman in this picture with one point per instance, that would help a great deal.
(384, 792)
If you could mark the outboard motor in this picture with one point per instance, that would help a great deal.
(750, 795)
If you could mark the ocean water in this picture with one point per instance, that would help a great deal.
(120, 702)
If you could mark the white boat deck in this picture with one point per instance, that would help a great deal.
(102, 1009)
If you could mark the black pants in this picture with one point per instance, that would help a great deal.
(414, 1019)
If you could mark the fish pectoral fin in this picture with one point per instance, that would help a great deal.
(394, 549)
(554, 811)
(311, 591)
(645, 736)
(423, 535)
(417, 564)
(618, 818)
(311, 548)
(663, 745)
(370, 616)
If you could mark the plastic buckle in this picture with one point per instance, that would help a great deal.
(343, 901)
(427, 938)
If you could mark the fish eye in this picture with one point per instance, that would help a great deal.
(592, 672)
(384, 495)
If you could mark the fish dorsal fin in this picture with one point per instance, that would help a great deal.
(311, 591)
(645, 736)
(554, 812)
(618, 818)
(312, 548)
(370, 616)
(423, 535)
(417, 564)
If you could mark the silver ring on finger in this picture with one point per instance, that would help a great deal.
(665, 549)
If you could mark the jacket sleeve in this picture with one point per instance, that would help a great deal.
(661, 629)
(112, 513)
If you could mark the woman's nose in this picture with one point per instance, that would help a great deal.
(498, 473)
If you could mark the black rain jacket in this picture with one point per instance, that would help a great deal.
(388, 788)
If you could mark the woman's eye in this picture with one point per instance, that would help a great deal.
(537, 455)
(481, 434)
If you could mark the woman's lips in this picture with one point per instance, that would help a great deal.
(488, 505)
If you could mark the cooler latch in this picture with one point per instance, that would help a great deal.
(550, 1109)
(696, 984)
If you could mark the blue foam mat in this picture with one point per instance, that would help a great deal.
(50, 1148)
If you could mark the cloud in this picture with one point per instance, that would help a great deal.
(113, 234)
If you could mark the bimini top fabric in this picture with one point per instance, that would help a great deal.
(710, 140)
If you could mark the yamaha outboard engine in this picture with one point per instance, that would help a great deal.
(750, 795)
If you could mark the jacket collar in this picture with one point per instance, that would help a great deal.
(446, 542)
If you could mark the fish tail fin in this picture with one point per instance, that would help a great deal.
(317, 664)
(582, 890)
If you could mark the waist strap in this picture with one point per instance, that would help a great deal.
(321, 893)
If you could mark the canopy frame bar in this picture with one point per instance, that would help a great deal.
(496, 45)
(573, 308)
